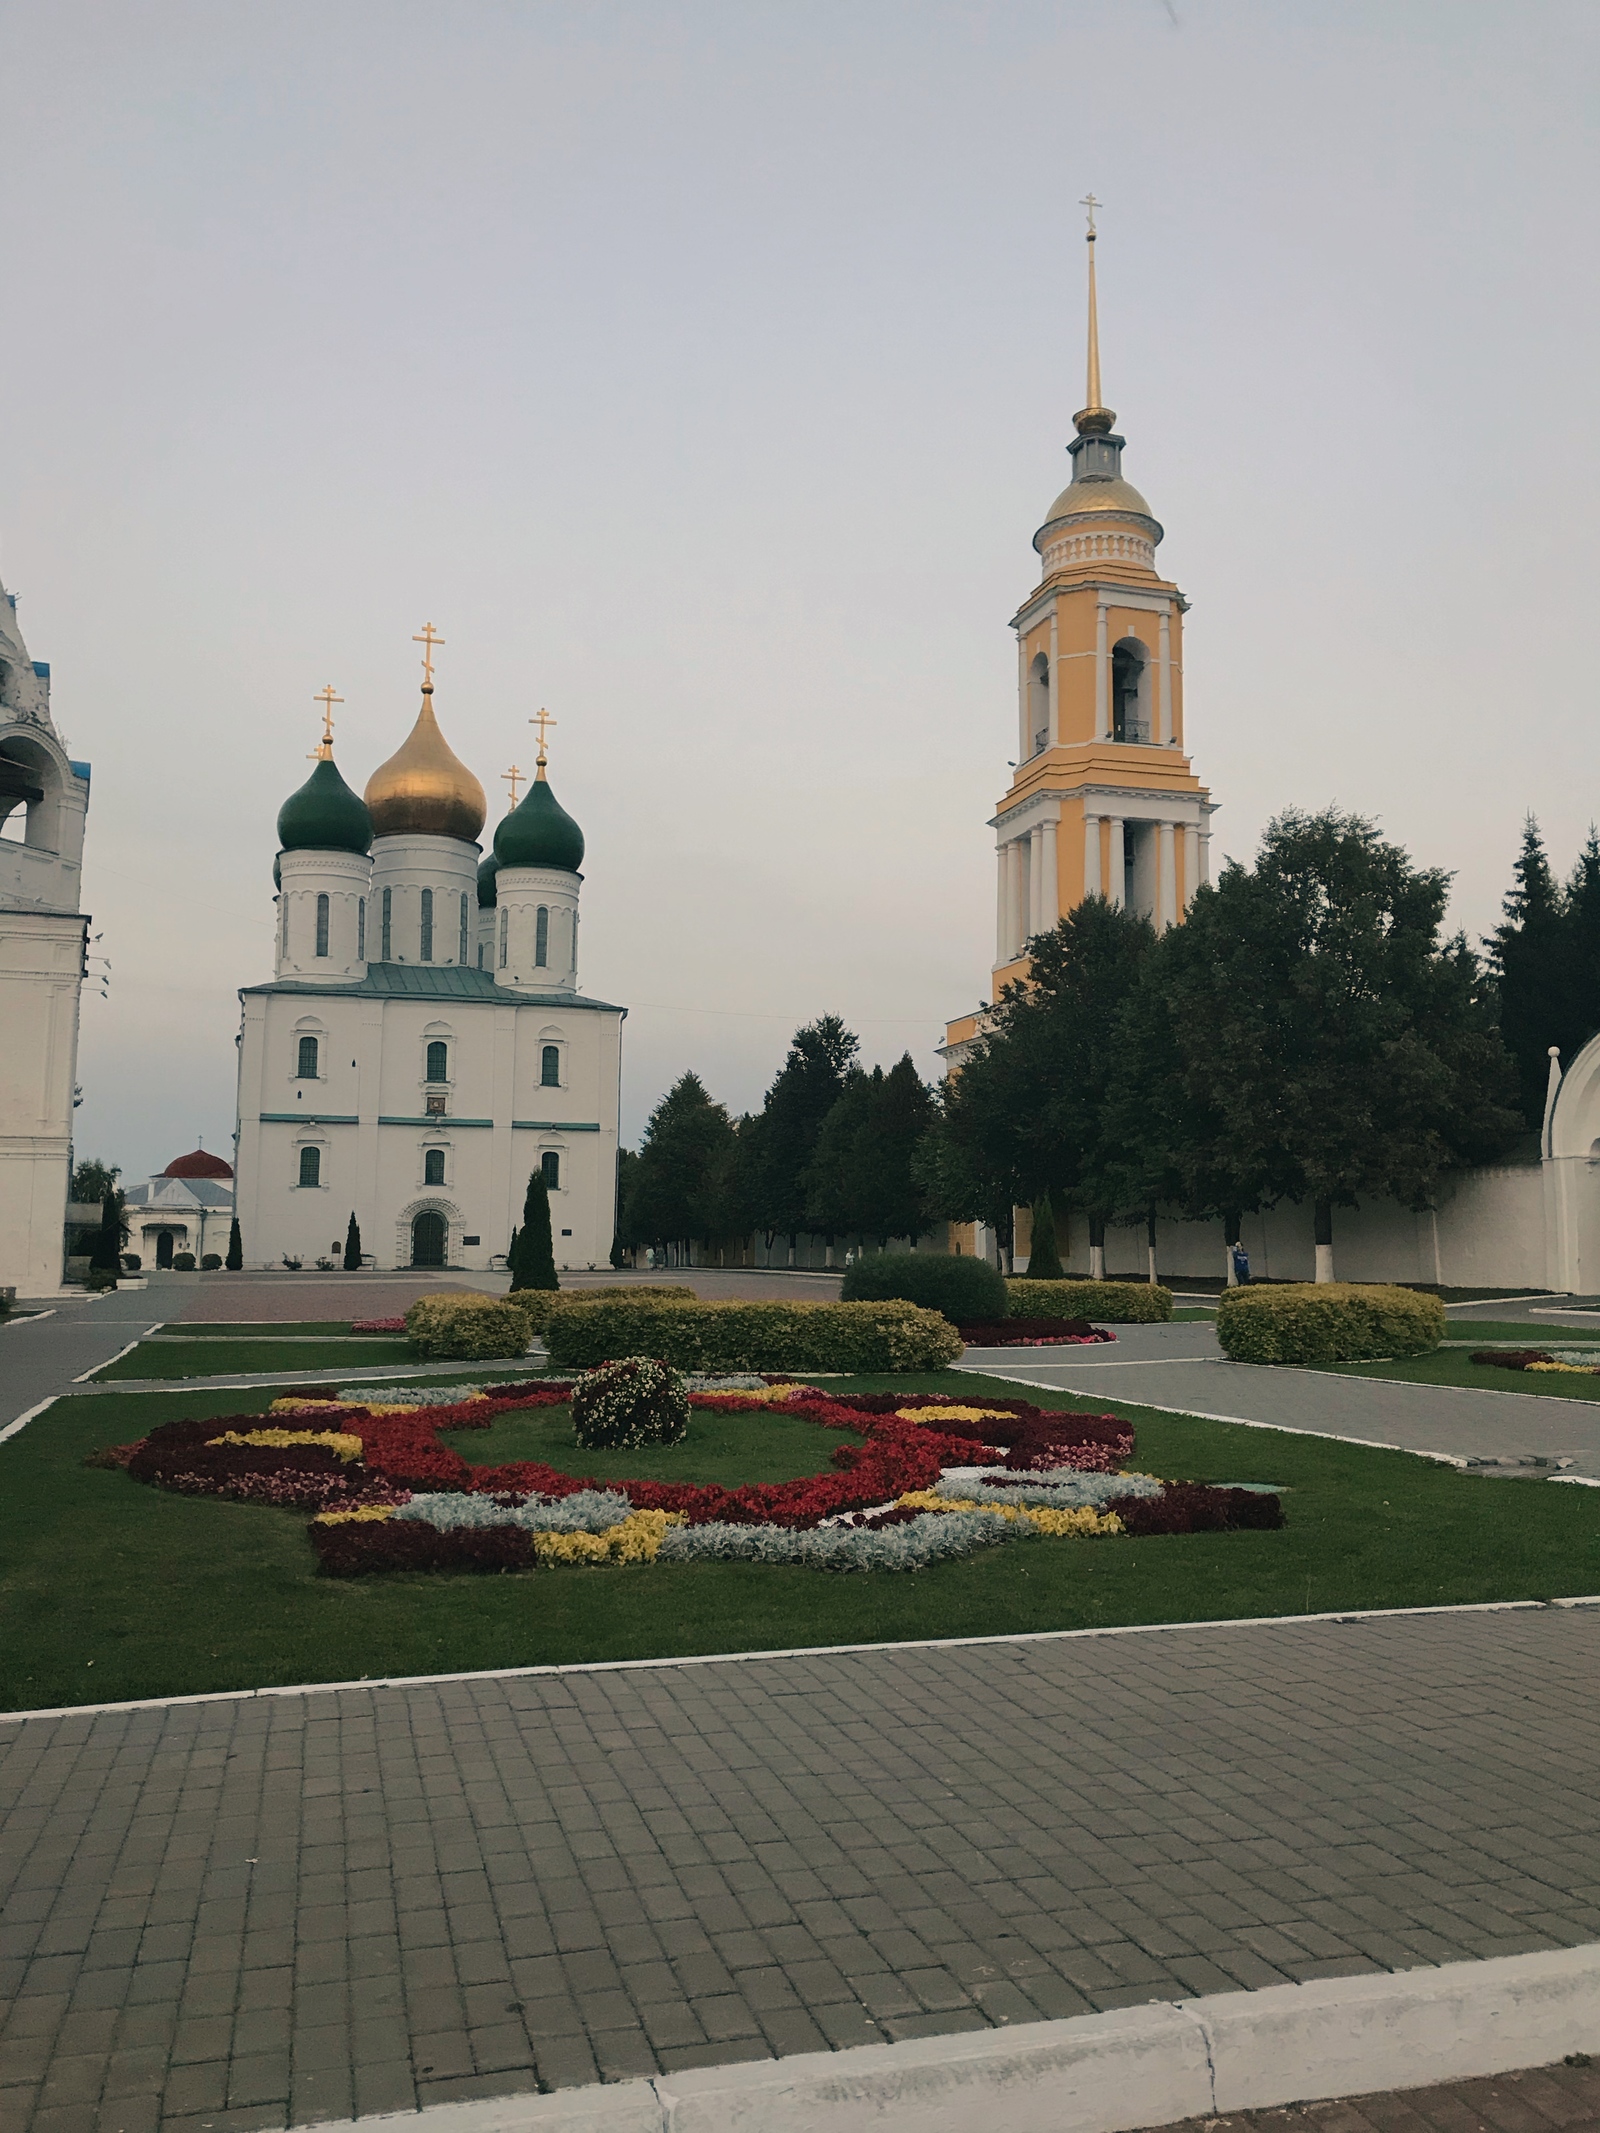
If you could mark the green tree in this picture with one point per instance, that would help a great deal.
(678, 1190)
(532, 1258)
(93, 1180)
(1531, 954)
(352, 1245)
(235, 1258)
(1029, 1105)
(1307, 1035)
(783, 1137)
(860, 1179)
(1044, 1254)
(107, 1252)
(622, 1242)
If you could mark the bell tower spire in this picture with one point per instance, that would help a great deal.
(1094, 417)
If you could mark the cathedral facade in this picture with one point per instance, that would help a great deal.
(1104, 800)
(423, 1045)
(44, 798)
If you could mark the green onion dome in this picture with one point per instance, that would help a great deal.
(540, 832)
(324, 815)
(486, 873)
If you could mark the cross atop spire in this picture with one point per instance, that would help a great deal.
(542, 721)
(327, 699)
(1094, 416)
(427, 637)
(514, 777)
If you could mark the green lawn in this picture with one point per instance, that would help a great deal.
(258, 1329)
(1510, 1333)
(228, 1358)
(1450, 1366)
(724, 1448)
(111, 1590)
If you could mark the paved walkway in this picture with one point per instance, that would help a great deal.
(1182, 1368)
(268, 1911)
(1539, 2098)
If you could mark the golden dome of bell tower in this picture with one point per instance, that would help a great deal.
(425, 790)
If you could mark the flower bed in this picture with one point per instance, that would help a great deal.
(1032, 1333)
(377, 1325)
(1577, 1363)
(934, 1478)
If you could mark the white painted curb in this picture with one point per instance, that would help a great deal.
(1106, 2073)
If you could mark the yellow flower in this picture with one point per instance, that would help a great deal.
(364, 1514)
(635, 1540)
(1079, 1524)
(371, 1407)
(342, 1447)
(952, 1414)
(1576, 1370)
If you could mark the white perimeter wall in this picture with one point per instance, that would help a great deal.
(41, 964)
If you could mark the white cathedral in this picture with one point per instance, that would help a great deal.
(423, 1046)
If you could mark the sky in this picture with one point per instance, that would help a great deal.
(703, 371)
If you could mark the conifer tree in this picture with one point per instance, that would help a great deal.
(860, 1181)
(1531, 956)
(107, 1252)
(532, 1256)
(352, 1245)
(235, 1258)
(783, 1135)
(1044, 1255)
(679, 1188)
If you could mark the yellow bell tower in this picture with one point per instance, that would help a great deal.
(1104, 800)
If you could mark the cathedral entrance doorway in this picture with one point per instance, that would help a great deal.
(428, 1239)
(164, 1248)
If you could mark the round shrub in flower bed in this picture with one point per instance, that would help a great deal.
(628, 1404)
(1033, 1333)
(1120, 1303)
(934, 1478)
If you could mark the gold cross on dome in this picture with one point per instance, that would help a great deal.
(542, 721)
(327, 699)
(1091, 203)
(514, 777)
(427, 637)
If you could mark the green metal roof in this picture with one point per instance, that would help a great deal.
(324, 815)
(539, 833)
(433, 981)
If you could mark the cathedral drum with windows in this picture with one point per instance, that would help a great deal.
(423, 1046)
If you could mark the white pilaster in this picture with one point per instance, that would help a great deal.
(1014, 903)
(1091, 855)
(1166, 877)
(1166, 675)
(1036, 880)
(1049, 878)
(1102, 675)
(1205, 854)
(1191, 864)
(1119, 885)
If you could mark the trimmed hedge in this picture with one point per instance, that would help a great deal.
(962, 1288)
(1118, 1303)
(1327, 1322)
(537, 1304)
(846, 1337)
(461, 1324)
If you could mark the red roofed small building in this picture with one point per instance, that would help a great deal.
(188, 1207)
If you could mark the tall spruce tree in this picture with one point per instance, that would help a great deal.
(677, 1190)
(860, 1181)
(1531, 954)
(352, 1245)
(532, 1256)
(106, 1255)
(784, 1133)
(235, 1259)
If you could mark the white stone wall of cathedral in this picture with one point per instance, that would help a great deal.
(345, 879)
(402, 868)
(521, 894)
(365, 1114)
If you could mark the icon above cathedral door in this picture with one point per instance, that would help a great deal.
(428, 1239)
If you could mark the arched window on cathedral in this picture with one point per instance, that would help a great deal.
(541, 937)
(388, 914)
(306, 1070)
(433, 1167)
(1039, 703)
(1129, 709)
(505, 928)
(438, 1060)
(550, 1169)
(311, 1166)
(361, 930)
(550, 1067)
(462, 957)
(322, 925)
(427, 925)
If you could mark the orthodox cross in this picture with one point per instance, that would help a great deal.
(544, 719)
(1091, 203)
(513, 777)
(427, 638)
(327, 699)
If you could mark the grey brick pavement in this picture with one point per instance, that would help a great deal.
(261, 1912)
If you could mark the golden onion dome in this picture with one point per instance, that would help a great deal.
(425, 790)
(1092, 495)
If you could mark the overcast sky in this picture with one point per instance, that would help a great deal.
(703, 372)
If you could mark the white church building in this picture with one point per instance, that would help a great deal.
(44, 797)
(423, 1045)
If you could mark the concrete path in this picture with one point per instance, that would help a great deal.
(1181, 1368)
(254, 1912)
(40, 1357)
